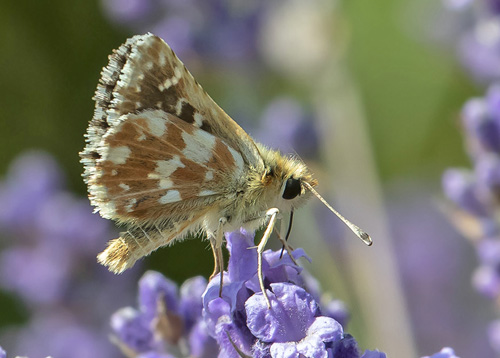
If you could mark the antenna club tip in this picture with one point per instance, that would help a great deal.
(367, 239)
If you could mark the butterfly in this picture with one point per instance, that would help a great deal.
(165, 161)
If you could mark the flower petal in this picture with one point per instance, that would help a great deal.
(326, 329)
(153, 286)
(292, 312)
(243, 261)
(284, 350)
(312, 346)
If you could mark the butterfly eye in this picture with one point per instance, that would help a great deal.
(292, 188)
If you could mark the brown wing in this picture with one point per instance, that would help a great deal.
(145, 74)
(154, 166)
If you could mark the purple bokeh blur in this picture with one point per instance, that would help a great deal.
(50, 238)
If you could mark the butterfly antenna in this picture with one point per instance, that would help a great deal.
(355, 229)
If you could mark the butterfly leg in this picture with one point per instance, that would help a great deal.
(216, 261)
(272, 214)
(287, 247)
(216, 243)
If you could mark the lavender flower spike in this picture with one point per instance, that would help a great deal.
(238, 324)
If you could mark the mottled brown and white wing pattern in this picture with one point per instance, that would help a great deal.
(154, 165)
(144, 73)
(159, 150)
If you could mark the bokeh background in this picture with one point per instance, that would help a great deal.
(368, 93)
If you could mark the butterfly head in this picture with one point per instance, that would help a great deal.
(285, 179)
(296, 185)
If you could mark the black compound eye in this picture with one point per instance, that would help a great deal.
(292, 188)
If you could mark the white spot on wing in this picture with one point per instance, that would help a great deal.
(118, 155)
(166, 183)
(164, 168)
(162, 59)
(130, 204)
(198, 119)
(177, 75)
(107, 209)
(171, 196)
(207, 192)
(124, 186)
(209, 175)
(237, 159)
(199, 146)
(165, 85)
(169, 82)
(156, 125)
(178, 105)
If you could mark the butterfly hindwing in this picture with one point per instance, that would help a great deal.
(151, 161)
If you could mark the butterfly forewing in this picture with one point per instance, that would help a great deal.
(144, 73)
(157, 138)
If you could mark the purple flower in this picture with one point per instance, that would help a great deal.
(31, 179)
(130, 11)
(373, 354)
(479, 49)
(296, 127)
(457, 4)
(133, 329)
(481, 119)
(347, 347)
(292, 324)
(155, 355)
(3, 354)
(201, 343)
(487, 172)
(154, 287)
(477, 36)
(477, 192)
(242, 321)
(191, 306)
(164, 318)
(38, 275)
(212, 28)
(494, 6)
(460, 187)
(70, 338)
(486, 277)
(55, 233)
(49, 262)
(239, 323)
(494, 335)
(337, 310)
(443, 353)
